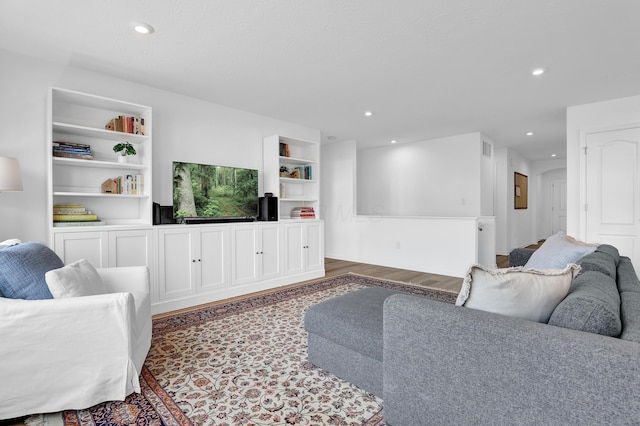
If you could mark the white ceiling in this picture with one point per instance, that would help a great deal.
(426, 68)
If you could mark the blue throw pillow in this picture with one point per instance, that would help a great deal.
(22, 269)
(558, 251)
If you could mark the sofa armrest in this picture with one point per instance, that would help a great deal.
(520, 256)
(455, 365)
(67, 353)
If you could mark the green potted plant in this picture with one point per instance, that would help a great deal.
(125, 149)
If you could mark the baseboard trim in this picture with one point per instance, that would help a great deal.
(161, 307)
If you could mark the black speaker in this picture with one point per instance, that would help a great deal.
(156, 214)
(268, 208)
(162, 215)
(166, 215)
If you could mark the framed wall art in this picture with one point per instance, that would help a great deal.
(520, 191)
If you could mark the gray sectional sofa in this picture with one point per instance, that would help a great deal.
(434, 363)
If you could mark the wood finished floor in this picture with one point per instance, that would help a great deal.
(335, 267)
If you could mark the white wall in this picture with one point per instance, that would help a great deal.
(514, 228)
(586, 118)
(184, 128)
(438, 177)
(440, 245)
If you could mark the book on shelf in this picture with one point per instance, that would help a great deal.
(125, 185)
(126, 124)
(79, 223)
(68, 213)
(70, 209)
(72, 150)
(303, 213)
(284, 149)
(74, 217)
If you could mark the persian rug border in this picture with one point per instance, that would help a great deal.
(224, 309)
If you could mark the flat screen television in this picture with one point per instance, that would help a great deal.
(208, 191)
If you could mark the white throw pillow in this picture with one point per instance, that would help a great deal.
(76, 279)
(9, 243)
(516, 292)
(558, 251)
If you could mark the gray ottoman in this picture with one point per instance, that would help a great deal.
(345, 336)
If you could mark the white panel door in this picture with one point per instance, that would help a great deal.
(212, 261)
(313, 246)
(177, 263)
(613, 190)
(295, 253)
(245, 250)
(130, 248)
(270, 251)
(92, 246)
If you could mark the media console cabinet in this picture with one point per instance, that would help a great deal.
(195, 264)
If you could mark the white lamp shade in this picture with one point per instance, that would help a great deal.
(10, 178)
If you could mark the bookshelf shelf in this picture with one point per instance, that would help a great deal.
(96, 194)
(300, 200)
(302, 181)
(293, 160)
(97, 164)
(91, 132)
(76, 123)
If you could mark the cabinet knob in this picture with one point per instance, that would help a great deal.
(199, 260)
(194, 261)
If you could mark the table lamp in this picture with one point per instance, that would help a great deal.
(10, 179)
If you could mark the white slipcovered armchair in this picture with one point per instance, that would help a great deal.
(75, 352)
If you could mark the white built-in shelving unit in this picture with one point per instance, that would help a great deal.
(292, 192)
(81, 118)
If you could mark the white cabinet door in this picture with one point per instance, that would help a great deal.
(305, 251)
(255, 253)
(269, 251)
(177, 263)
(92, 246)
(245, 253)
(295, 252)
(212, 259)
(130, 248)
(313, 246)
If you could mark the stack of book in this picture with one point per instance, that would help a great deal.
(129, 185)
(72, 150)
(126, 124)
(303, 213)
(73, 215)
(284, 149)
(304, 172)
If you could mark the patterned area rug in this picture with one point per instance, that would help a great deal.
(245, 362)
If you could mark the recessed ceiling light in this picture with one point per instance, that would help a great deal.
(331, 138)
(393, 141)
(553, 155)
(538, 71)
(529, 133)
(368, 113)
(142, 27)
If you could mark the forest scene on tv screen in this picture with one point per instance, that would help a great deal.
(201, 190)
